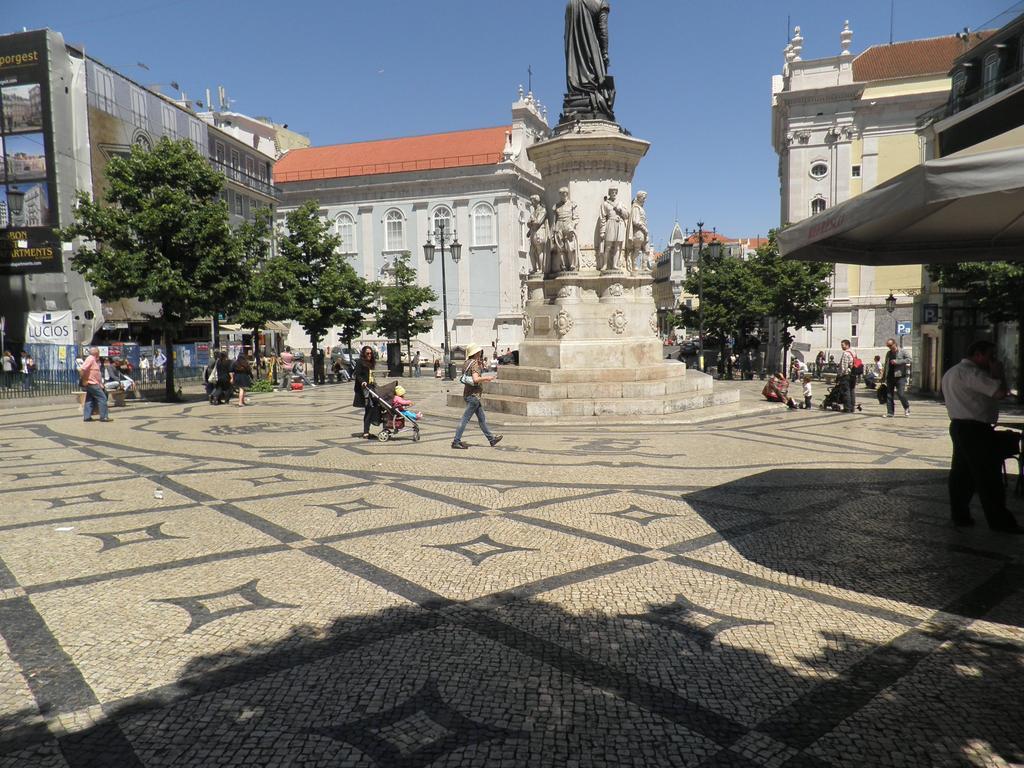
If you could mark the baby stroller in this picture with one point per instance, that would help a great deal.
(833, 399)
(391, 420)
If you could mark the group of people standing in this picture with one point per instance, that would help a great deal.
(13, 368)
(224, 376)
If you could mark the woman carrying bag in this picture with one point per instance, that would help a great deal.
(363, 377)
(472, 380)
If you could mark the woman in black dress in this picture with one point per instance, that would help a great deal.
(242, 376)
(363, 376)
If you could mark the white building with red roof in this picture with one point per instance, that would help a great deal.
(384, 197)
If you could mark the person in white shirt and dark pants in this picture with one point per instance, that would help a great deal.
(972, 390)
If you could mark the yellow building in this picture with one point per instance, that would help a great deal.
(842, 125)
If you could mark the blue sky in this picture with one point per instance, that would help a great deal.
(693, 78)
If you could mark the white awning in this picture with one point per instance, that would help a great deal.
(966, 208)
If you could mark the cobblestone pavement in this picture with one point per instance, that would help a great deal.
(199, 586)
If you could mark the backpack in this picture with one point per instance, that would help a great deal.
(857, 366)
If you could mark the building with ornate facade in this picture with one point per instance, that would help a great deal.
(842, 125)
(386, 197)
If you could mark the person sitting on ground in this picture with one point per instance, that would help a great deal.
(403, 405)
(299, 372)
(340, 371)
(113, 379)
(776, 390)
(873, 373)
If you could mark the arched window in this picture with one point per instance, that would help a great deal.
(345, 226)
(394, 231)
(990, 74)
(959, 86)
(483, 224)
(818, 205)
(442, 218)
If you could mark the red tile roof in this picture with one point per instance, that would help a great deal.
(913, 58)
(709, 237)
(480, 146)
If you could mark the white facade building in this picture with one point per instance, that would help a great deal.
(841, 125)
(385, 197)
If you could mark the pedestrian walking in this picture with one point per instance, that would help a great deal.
(363, 376)
(972, 390)
(895, 373)
(819, 362)
(8, 367)
(473, 380)
(91, 379)
(241, 377)
(222, 381)
(287, 361)
(416, 364)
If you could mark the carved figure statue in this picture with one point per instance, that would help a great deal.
(537, 229)
(590, 91)
(636, 232)
(566, 255)
(612, 231)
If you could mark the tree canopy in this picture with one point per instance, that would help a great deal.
(406, 308)
(161, 234)
(322, 283)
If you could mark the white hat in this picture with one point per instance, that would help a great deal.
(472, 350)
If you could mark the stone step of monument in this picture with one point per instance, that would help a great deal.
(601, 390)
(668, 370)
(618, 407)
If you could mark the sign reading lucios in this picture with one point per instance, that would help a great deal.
(49, 328)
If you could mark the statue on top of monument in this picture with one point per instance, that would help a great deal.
(537, 229)
(590, 90)
(566, 253)
(636, 233)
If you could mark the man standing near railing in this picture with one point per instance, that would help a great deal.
(91, 378)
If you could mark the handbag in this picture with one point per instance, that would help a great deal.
(882, 393)
(212, 378)
(467, 377)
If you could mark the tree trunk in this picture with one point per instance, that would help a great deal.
(169, 393)
(1020, 353)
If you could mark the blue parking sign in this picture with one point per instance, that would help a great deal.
(904, 329)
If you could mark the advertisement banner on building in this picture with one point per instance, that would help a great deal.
(28, 208)
(49, 328)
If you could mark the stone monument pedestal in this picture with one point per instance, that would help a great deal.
(591, 344)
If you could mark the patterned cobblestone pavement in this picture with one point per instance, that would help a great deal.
(197, 586)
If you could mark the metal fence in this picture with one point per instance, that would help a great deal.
(49, 381)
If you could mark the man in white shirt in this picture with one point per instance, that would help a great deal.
(847, 380)
(972, 390)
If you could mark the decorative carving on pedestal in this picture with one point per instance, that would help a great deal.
(527, 325)
(636, 233)
(618, 321)
(653, 322)
(563, 323)
(647, 291)
(615, 290)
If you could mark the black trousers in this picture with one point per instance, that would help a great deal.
(848, 392)
(976, 468)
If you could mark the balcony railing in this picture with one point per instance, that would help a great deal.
(239, 176)
(967, 99)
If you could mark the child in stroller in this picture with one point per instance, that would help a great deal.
(391, 419)
(403, 405)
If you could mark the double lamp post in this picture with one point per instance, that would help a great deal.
(714, 250)
(441, 238)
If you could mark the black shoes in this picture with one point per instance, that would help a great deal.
(496, 440)
(459, 445)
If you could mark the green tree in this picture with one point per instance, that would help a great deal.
(996, 288)
(265, 296)
(406, 307)
(796, 292)
(160, 234)
(733, 297)
(322, 283)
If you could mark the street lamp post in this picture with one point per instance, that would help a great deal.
(715, 248)
(890, 307)
(441, 238)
